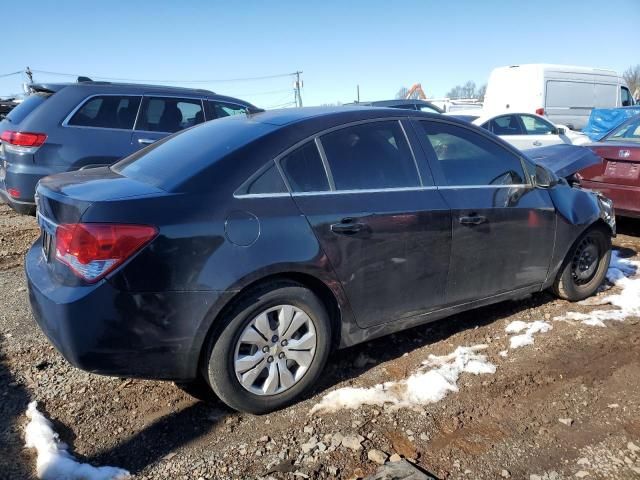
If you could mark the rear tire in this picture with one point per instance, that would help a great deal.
(273, 348)
(585, 267)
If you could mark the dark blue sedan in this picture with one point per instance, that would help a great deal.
(241, 252)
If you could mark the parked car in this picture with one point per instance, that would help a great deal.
(618, 175)
(243, 251)
(6, 105)
(564, 94)
(408, 104)
(63, 127)
(524, 130)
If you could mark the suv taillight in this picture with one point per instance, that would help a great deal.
(92, 250)
(540, 111)
(23, 142)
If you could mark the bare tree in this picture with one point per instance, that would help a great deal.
(402, 93)
(632, 77)
(482, 92)
(456, 92)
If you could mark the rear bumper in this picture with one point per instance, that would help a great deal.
(101, 329)
(626, 199)
(24, 177)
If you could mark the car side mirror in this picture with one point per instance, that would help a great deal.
(560, 131)
(545, 178)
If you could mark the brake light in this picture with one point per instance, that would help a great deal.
(92, 250)
(14, 192)
(23, 139)
(540, 111)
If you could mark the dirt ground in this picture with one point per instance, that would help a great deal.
(505, 425)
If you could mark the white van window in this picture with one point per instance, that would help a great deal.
(569, 94)
(606, 96)
(625, 97)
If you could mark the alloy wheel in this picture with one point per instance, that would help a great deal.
(275, 350)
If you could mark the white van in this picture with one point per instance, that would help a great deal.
(564, 94)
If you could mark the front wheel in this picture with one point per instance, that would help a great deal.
(585, 267)
(273, 348)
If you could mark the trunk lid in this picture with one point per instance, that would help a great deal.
(564, 160)
(620, 165)
(64, 198)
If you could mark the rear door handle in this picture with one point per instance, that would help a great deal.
(475, 220)
(146, 141)
(537, 143)
(348, 227)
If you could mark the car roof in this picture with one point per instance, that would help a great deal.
(391, 103)
(134, 88)
(341, 114)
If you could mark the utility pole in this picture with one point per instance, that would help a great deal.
(358, 93)
(297, 85)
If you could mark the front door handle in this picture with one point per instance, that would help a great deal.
(474, 220)
(537, 143)
(146, 141)
(348, 227)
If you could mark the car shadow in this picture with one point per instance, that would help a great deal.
(15, 461)
(162, 437)
(354, 361)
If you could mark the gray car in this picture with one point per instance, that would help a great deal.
(64, 127)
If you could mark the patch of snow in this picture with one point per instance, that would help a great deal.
(503, 353)
(622, 273)
(431, 383)
(54, 462)
(530, 329)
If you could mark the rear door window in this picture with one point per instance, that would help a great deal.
(372, 155)
(107, 111)
(169, 114)
(27, 106)
(304, 169)
(465, 158)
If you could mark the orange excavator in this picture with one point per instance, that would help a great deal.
(416, 92)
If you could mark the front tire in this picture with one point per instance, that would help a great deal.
(273, 348)
(585, 266)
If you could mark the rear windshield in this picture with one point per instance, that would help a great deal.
(27, 106)
(628, 131)
(175, 159)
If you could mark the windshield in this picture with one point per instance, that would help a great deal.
(28, 105)
(628, 132)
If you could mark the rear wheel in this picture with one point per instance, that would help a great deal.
(585, 267)
(272, 349)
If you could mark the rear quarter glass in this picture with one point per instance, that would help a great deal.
(19, 113)
(175, 159)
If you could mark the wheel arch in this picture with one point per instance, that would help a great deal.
(328, 297)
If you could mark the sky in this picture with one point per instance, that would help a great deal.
(381, 46)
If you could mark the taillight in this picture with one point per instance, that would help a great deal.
(23, 142)
(540, 111)
(92, 250)
(13, 192)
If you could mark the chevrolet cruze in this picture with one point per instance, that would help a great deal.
(239, 253)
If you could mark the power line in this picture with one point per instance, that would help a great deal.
(12, 73)
(218, 80)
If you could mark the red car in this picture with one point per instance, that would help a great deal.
(618, 175)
